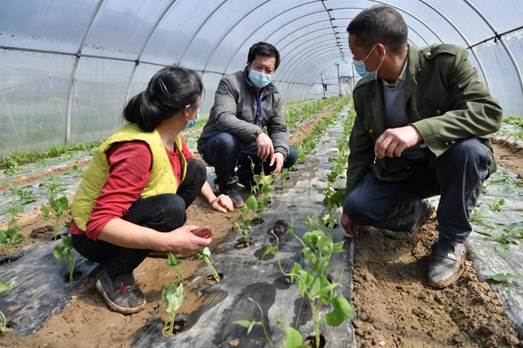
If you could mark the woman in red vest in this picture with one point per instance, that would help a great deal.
(133, 197)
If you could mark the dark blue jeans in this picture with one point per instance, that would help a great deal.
(225, 151)
(457, 176)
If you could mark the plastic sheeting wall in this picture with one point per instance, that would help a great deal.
(68, 67)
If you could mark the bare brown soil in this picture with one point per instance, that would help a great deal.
(509, 156)
(396, 307)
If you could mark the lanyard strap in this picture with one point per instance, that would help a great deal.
(259, 109)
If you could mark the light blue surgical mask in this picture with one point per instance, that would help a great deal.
(192, 122)
(359, 66)
(258, 78)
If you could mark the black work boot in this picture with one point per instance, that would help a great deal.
(121, 294)
(446, 263)
(234, 193)
(426, 212)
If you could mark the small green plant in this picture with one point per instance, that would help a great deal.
(11, 235)
(64, 252)
(4, 287)
(250, 323)
(172, 296)
(205, 256)
(246, 214)
(503, 278)
(511, 234)
(497, 205)
(58, 204)
(313, 284)
(262, 189)
(25, 195)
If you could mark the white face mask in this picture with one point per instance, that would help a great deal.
(192, 122)
(360, 68)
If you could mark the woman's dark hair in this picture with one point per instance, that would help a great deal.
(263, 49)
(170, 90)
(379, 24)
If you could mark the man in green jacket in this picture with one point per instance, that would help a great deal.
(422, 117)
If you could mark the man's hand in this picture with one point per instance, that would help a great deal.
(277, 159)
(265, 148)
(349, 227)
(395, 140)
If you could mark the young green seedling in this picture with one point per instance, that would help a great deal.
(4, 287)
(246, 214)
(250, 323)
(205, 256)
(497, 205)
(312, 280)
(58, 204)
(64, 252)
(172, 296)
(10, 236)
(503, 278)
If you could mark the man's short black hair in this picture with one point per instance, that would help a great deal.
(263, 49)
(379, 24)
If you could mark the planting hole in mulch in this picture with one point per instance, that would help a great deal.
(179, 325)
(282, 282)
(311, 341)
(280, 228)
(11, 257)
(42, 232)
(257, 221)
(243, 242)
(209, 279)
(76, 276)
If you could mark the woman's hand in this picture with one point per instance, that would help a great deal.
(187, 240)
(222, 203)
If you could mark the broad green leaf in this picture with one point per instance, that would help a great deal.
(293, 339)
(67, 241)
(173, 297)
(172, 260)
(502, 278)
(6, 286)
(58, 252)
(251, 203)
(341, 311)
(338, 247)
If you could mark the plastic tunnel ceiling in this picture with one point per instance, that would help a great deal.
(68, 67)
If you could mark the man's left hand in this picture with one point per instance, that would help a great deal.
(395, 140)
(277, 159)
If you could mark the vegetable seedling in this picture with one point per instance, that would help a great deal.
(64, 252)
(205, 256)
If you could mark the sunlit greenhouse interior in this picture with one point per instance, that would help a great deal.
(287, 271)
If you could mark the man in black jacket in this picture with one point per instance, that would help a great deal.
(246, 125)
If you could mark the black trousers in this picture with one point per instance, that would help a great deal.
(457, 176)
(162, 213)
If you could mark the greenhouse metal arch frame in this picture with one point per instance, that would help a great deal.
(288, 75)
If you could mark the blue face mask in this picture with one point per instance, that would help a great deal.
(192, 122)
(258, 78)
(359, 66)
